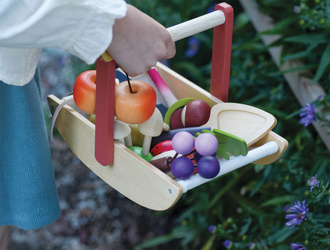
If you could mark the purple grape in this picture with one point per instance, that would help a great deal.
(206, 144)
(182, 168)
(198, 156)
(183, 142)
(208, 167)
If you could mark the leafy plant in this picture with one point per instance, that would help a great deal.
(245, 209)
(304, 29)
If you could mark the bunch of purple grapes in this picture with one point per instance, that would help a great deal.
(206, 145)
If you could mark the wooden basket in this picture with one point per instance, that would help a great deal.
(127, 172)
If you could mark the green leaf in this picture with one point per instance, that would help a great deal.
(228, 143)
(300, 54)
(278, 200)
(186, 234)
(250, 46)
(191, 69)
(314, 39)
(228, 186)
(274, 3)
(325, 239)
(246, 203)
(209, 243)
(281, 235)
(325, 61)
(157, 241)
(325, 155)
(280, 26)
(293, 114)
(245, 227)
(319, 195)
(241, 20)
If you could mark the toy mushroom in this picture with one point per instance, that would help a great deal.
(122, 132)
(150, 128)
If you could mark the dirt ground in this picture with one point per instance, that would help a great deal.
(94, 216)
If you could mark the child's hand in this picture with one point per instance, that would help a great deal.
(139, 42)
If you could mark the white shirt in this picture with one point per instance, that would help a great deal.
(81, 27)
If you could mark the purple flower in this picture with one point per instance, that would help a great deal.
(307, 115)
(193, 46)
(227, 243)
(212, 228)
(287, 209)
(211, 9)
(313, 182)
(298, 214)
(251, 245)
(296, 9)
(297, 246)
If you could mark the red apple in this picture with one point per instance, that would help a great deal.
(135, 107)
(84, 91)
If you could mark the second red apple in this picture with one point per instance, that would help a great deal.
(135, 107)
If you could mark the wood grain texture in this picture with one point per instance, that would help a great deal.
(129, 174)
(282, 146)
(244, 121)
(181, 87)
(196, 25)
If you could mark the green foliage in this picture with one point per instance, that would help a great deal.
(304, 29)
(247, 206)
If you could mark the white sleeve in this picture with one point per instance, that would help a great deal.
(81, 27)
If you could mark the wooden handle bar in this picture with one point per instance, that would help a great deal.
(189, 28)
(197, 25)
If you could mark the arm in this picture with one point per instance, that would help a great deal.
(84, 28)
(81, 27)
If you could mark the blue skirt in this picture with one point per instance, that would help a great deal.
(28, 197)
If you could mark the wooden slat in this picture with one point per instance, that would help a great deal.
(182, 87)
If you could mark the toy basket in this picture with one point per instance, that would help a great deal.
(128, 173)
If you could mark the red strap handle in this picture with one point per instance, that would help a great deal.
(105, 111)
(221, 54)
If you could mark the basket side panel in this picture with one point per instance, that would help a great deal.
(129, 174)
